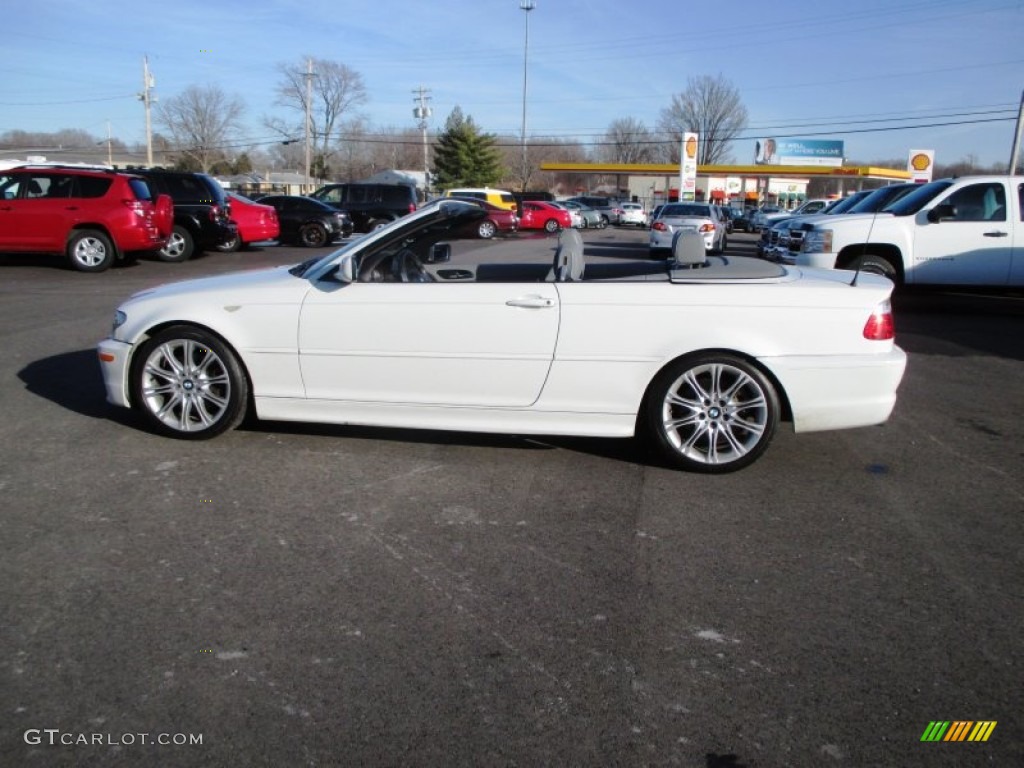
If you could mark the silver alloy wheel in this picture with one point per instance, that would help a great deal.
(487, 229)
(175, 247)
(185, 385)
(90, 251)
(715, 414)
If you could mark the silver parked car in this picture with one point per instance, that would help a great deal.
(694, 217)
(588, 216)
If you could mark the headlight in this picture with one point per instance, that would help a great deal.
(817, 241)
(120, 318)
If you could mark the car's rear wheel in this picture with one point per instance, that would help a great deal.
(187, 383)
(711, 413)
(486, 229)
(232, 245)
(89, 250)
(179, 247)
(313, 235)
(551, 225)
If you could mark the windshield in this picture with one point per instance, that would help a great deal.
(686, 210)
(918, 199)
(420, 230)
(844, 205)
(882, 197)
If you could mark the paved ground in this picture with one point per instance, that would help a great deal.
(329, 596)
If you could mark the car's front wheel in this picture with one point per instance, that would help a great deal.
(711, 413)
(89, 250)
(877, 265)
(313, 235)
(187, 383)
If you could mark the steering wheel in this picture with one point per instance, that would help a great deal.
(409, 269)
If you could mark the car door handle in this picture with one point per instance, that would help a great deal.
(996, 233)
(70, 207)
(531, 302)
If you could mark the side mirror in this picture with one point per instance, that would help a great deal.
(439, 253)
(940, 212)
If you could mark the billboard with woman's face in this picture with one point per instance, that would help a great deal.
(798, 152)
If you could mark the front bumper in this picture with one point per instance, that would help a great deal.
(114, 360)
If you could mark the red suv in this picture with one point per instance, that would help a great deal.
(93, 216)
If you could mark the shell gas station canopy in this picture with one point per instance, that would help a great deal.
(746, 171)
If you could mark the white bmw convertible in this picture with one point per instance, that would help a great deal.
(422, 324)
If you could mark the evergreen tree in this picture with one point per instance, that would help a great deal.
(465, 157)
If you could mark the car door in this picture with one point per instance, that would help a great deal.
(974, 246)
(42, 212)
(442, 344)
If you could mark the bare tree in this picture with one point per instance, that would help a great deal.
(337, 91)
(627, 140)
(711, 107)
(202, 122)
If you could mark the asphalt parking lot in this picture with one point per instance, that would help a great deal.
(329, 596)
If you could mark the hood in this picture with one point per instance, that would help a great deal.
(249, 283)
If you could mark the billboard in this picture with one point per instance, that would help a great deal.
(771, 151)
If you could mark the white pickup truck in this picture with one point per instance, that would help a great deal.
(965, 231)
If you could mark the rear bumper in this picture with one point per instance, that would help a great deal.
(840, 391)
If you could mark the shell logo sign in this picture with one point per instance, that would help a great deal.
(919, 165)
(691, 147)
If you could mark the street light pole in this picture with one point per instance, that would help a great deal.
(525, 5)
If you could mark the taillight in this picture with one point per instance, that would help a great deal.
(215, 212)
(412, 207)
(660, 226)
(880, 326)
(135, 206)
(707, 227)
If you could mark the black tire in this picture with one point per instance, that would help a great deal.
(179, 248)
(877, 265)
(604, 221)
(186, 383)
(90, 250)
(711, 413)
(374, 224)
(551, 226)
(232, 245)
(313, 235)
(487, 229)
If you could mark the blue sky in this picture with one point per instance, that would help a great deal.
(804, 69)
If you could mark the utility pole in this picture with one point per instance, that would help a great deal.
(1015, 151)
(110, 153)
(309, 100)
(422, 113)
(148, 82)
(527, 6)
